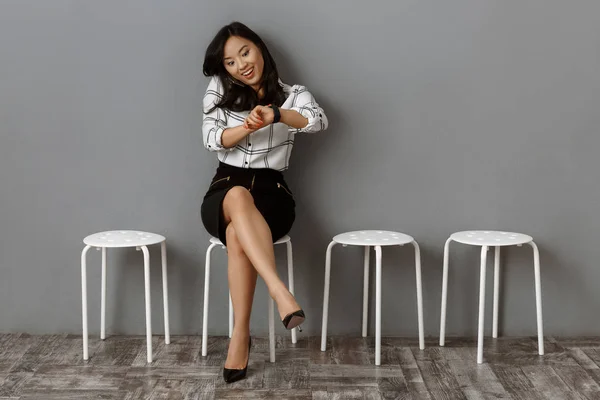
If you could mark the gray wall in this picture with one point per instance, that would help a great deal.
(444, 116)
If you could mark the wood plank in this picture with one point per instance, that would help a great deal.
(13, 384)
(512, 379)
(75, 395)
(43, 350)
(412, 375)
(437, 394)
(51, 379)
(289, 375)
(160, 388)
(583, 359)
(592, 369)
(179, 373)
(524, 352)
(578, 380)
(39, 350)
(580, 342)
(118, 351)
(437, 374)
(350, 351)
(332, 376)
(546, 382)
(292, 394)
(12, 349)
(393, 388)
(347, 393)
(477, 381)
(352, 371)
(183, 354)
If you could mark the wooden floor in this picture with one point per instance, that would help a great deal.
(50, 367)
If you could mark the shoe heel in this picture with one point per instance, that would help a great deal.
(294, 320)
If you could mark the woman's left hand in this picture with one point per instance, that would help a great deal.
(259, 117)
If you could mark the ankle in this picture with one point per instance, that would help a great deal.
(279, 291)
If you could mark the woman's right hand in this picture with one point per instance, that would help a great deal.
(254, 120)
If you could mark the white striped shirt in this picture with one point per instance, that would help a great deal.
(267, 147)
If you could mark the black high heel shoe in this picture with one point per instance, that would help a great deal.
(233, 375)
(294, 320)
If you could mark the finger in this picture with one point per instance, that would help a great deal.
(255, 121)
(256, 114)
(252, 125)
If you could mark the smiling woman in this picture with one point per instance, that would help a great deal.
(250, 120)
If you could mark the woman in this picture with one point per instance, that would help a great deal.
(250, 120)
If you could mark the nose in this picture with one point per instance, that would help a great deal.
(242, 65)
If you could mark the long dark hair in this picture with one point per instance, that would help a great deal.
(236, 97)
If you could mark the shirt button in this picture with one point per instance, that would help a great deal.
(249, 144)
(246, 162)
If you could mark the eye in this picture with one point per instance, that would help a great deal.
(246, 53)
(230, 63)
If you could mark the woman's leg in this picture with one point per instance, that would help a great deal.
(255, 238)
(242, 282)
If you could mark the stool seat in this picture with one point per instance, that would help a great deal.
(491, 238)
(123, 239)
(217, 241)
(373, 238)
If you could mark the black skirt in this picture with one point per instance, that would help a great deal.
(272, 197)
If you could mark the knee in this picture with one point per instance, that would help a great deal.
(238, 197)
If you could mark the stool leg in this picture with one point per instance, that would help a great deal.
(148, 304)
(163, 254)
(326, 296)
(290, 262)
(84, 315)
(538, 297)
(444, 293)
(206, 290)
(378, 305)
(271, 330)
(496, 291)
(366, 291)
(103, 297)
(481, 305)
(419, 295)
(230, 316)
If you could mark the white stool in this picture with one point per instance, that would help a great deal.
(139, 240)
(375, 239)
(216, 242)
(495, 239)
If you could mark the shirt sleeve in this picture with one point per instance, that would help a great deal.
(305, 104)
(214, 122)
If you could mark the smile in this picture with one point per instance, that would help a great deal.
(248, 73)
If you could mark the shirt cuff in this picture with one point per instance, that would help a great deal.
(217, 143)
(314, 116)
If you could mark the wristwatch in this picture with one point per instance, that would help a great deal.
(277, 114)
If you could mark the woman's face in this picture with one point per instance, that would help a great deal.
(243, 60)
